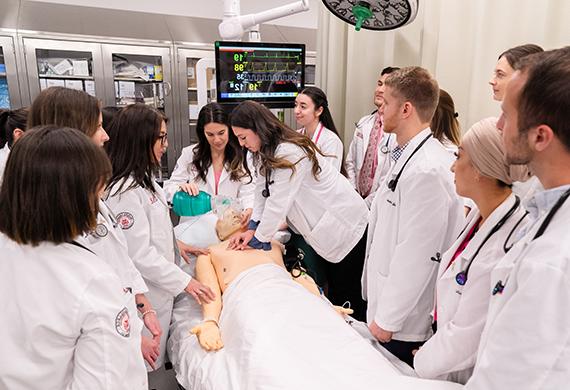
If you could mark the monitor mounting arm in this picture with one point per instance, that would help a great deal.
(234, 25)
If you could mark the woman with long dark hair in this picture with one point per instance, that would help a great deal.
(296, 185)
(312, 112)
(138, 140)
(215, 164)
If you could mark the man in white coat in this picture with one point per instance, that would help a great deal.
(368, 158)
(526, 340)
(415, 217)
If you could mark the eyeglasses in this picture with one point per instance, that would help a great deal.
(163, 138)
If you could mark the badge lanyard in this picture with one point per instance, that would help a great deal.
(319, 130)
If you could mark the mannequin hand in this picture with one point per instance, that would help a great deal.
(343, 311)
(382, 335)
(239, 241)
(245, 216)
(150, 349)
(200, 292)
(153, 325)
(186, 249)
(190, 188)
(208, 335)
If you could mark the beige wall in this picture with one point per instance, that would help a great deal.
(457, 40)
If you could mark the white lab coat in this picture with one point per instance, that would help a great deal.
(357, 151)
(329, 143)
(185, 172)
(462, 310)
(145, 220)
(109, 243)
(64, 320)
(4, 152)
(327, 212)
(526, 341)
(408, 227)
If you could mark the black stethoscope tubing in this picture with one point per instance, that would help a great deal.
(462, 276)
(507, 247)
(265, 193)
(500, 286)
(392, 184)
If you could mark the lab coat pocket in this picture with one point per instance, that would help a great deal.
(329, 238)
(157, 221)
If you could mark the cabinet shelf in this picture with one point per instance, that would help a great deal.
(70, 77)
(137, 79)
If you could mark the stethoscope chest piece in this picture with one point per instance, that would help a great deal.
(461, 278)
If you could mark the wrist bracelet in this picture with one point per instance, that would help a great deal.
(209, 319)
(148, 312)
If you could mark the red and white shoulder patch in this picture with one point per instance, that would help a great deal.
(126, 220)
(122, 323)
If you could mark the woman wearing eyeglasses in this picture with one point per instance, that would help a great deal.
(463, 286)
(138, 139)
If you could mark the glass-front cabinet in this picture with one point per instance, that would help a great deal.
(9, 89)
(188, 91)
(69, 64)
(141, 74)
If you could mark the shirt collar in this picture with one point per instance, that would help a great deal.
(542, 201)
(398, 150)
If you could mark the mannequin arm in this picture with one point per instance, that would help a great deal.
(208, 332)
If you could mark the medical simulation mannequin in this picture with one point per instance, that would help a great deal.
(526, 341)
(462, 289)
(221, 266)
(415, 217)
(368, 158)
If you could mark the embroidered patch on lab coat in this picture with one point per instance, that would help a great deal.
(101, 230)
(122, 324)
(126, 220)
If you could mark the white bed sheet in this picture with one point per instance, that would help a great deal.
(279, 336)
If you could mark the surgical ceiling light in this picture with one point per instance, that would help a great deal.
(379, 15)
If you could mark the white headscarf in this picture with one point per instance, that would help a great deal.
(484, 145)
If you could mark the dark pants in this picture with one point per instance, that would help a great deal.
(403, 349)
(341, 281)
(345, 280)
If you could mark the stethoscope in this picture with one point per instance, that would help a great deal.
(392, 184)
(500, 286)
(506, 246)
(462, 276)
(265, 193)
(385, 149)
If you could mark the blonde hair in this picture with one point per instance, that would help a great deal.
(484, 145)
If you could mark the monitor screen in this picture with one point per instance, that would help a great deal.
(270, 73)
